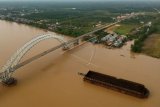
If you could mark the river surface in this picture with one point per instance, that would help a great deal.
(52, 81)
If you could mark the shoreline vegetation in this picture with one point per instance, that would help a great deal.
(75, 19)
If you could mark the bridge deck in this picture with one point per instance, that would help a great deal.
(59, 46)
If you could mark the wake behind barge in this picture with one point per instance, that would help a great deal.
(120, 85)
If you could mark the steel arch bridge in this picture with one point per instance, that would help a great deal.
(8, 68)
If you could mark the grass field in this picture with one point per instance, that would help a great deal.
(124, 29)
(152, 46)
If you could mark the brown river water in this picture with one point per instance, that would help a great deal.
(52, 81)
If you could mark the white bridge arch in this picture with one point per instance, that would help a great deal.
(7, 69)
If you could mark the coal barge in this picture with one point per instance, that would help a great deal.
(120, 85)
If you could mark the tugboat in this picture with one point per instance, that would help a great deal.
(120, 85)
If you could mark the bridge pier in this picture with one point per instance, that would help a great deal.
(9, 82)
(76, 42)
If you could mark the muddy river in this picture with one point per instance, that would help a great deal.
(52, 81)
